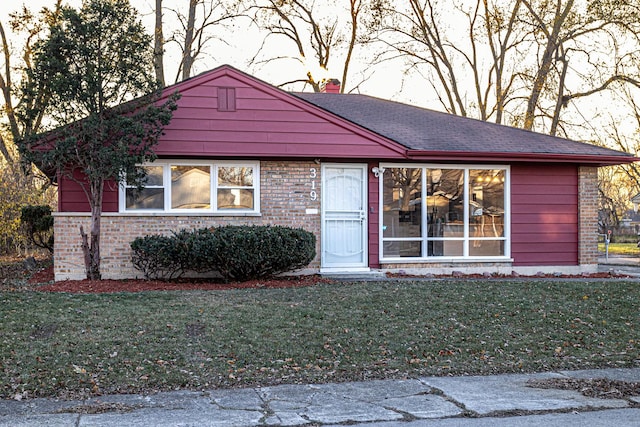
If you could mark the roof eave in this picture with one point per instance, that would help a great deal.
(595, 160)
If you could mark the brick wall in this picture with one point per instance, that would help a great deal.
(284, 200)
(587, 215)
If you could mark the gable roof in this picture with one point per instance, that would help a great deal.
(267, 122)
(271, 122)
(429, 134)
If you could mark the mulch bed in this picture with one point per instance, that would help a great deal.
(133, 285)
(42, 280)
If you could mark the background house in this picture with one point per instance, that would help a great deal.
(383, 185)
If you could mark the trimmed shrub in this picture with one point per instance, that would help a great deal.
(235, 252)
(252, 252)
(152, 256)
(158, 257)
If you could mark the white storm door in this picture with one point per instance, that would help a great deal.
(344, 216)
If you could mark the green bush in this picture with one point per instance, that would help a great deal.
(157, 257)
(235, 252)
(251, 252)
(38, 224)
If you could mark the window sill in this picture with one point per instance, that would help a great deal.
(164, 214)
(440, 260)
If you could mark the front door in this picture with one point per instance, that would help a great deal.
(344, 216)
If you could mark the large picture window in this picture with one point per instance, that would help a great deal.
(180, 186)
(443, 212)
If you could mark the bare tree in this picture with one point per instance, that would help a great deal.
(198, 28)
(591, 36)
(318, 36)
(12, 78)
(158, 45)
(469, 64)
(552, 35)
(295, 20)
(518, 57)
(187, 52)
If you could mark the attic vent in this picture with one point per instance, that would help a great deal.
(226, 99)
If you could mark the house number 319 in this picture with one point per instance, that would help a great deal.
(313, 174)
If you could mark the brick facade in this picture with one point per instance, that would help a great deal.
(285, 199)
(587, 216)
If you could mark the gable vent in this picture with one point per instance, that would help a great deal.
(226, 99)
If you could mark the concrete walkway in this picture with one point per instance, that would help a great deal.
(620, 264)
(500, 400)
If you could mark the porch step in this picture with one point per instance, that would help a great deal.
(354, 275)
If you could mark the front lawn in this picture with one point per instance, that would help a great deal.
(627, 249)
(56, 344)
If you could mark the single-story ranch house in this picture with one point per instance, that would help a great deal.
(383, 185)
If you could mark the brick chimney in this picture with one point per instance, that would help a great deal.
(330, 86)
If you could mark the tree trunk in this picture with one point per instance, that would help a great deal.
(355, 10)
(158, 48)
(91, 242)
(555, 120)
(187, 57)
(553, 42)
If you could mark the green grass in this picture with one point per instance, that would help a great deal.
(70, 345)
(630, 249)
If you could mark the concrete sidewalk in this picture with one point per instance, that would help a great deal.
(500, 400)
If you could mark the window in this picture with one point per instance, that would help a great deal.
(180, 186)
(443, 211)
(149, 197)
(235, 187)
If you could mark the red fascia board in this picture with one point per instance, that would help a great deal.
(521, 157)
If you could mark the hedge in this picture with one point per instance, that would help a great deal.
(235, 252)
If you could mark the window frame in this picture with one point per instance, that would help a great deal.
(467, 237)
(213, 166)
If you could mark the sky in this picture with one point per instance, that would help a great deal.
(387, 81)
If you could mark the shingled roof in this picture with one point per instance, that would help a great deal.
(433, 134)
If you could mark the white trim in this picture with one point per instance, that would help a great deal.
(445, 260)
(465, 258)
(213, 210)
(332, 270)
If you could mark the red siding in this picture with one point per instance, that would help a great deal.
(374, 217)
(71, 197)
(267, 123)
(544, 214)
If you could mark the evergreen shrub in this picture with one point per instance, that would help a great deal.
(235, 252)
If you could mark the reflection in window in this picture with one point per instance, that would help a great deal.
(235, 176)
(204, 187)
(486, 210)
(190, 187)
(235, 187)
(402, 211)
(463, 212)
(402, 202)
(445, 208)
(151, 197)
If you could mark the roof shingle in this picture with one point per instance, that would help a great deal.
(426, 130)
